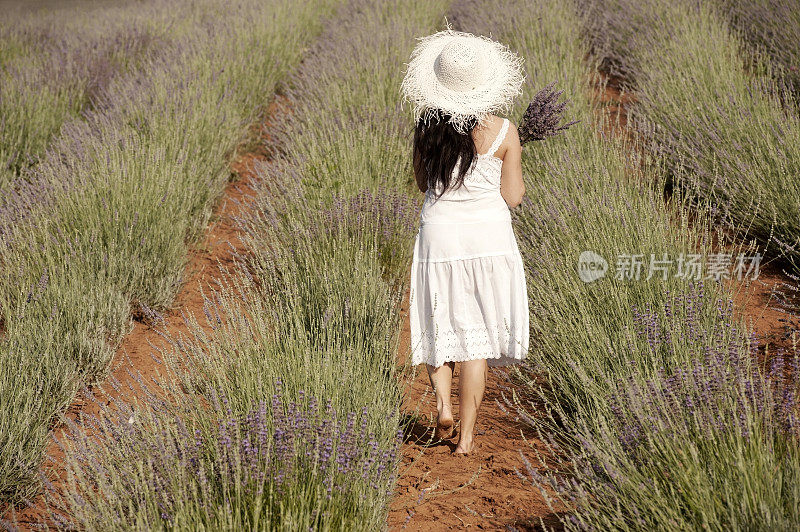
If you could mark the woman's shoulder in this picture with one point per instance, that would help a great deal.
(493, 124)
(510, 138)
(497, 121)
(497, 125)
(491, 129)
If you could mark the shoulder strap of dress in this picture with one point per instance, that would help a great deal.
(499, 139)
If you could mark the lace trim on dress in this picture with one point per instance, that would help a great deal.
(498, 140)
(493, 359)
(491, 157)
(468, 343)
(488, 156)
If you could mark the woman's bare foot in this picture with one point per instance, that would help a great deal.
(444, 424)
(464, 446)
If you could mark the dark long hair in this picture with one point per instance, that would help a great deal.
(437, 148)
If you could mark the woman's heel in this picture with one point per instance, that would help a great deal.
(444, 429)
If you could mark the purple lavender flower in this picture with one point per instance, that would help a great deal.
(273, 447)
(543, 115)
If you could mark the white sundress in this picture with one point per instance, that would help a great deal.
(468, 294)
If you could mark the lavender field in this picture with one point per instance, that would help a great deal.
(652, 402)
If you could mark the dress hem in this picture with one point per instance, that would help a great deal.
(491, 360)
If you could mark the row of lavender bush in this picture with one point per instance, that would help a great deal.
(705, 107)
(645, 390)
(587, 191)
(285, 415)
(54, 65)
(771, 28)
(101, 225)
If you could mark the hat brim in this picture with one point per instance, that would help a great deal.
(422, 88)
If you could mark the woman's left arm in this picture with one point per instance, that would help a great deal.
(512, 187)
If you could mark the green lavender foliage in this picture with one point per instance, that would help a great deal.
(55, 64)
(314, 303)
(706, 106)
(645, 391)
(770, 28)
(102, 224)
(586, 191)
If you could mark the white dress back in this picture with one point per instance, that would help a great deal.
(468, 291)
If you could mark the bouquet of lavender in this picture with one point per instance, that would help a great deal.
(542, 117)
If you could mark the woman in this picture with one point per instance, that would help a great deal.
(468, 295)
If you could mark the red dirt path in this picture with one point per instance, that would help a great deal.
(760, 303)
(437, 490)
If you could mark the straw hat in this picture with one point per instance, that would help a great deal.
(463, 75)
